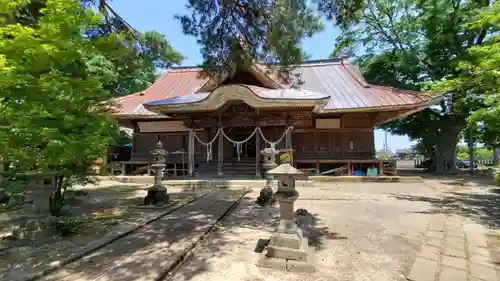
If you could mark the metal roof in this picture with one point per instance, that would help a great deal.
(335, 78)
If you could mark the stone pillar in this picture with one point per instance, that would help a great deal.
(157, 194)
(257, 155)
(288, 242)
(220, 155)
(191, 152)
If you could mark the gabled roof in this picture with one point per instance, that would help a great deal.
(336, 78)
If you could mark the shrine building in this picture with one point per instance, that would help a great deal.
(216, 126)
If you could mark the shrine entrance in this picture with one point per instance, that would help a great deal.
(248, 148)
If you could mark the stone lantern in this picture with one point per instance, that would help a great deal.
(157, 194)
(269, 154)
(287, 247)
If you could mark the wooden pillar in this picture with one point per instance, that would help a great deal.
(191, 152)
(220, 151)
(257, 155)
(220, 154)
(124, 169)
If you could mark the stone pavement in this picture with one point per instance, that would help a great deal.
(455, 249)
(149, 252)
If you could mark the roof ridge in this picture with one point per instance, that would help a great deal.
(131, 95)
(304, 63)
(394, 89)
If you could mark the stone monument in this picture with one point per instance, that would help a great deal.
(269, 154)
(157, 194)
(37, 221)
(288, 247)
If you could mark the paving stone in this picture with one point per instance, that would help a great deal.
(455, 245)
(454, 222)
(449, 251)
(429, 252)
(435, 242)
(483, 273)
(435, 234)
(423, 270)
(437, 225)
(455, 232)
(480, 251)
(477, 240)
(452, 274)
(482, 260)
(454, 262)
(453, 239)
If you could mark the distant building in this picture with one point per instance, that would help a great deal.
(404, 153)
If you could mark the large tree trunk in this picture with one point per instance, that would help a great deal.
(445, 151)
(56, 201)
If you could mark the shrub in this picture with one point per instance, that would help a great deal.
(496, 174)
(285, 158)
(68, 226)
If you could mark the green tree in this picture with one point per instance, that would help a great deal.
(268, 31)
(138, 55)
(54, 106)
(408, 44)
(479, 73)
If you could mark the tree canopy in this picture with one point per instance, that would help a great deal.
(409, 44)
(60, 68)
(269, 31)
(479, 74)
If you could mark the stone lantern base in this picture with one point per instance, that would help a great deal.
(288, 252)
(288, 249)
(157, 195)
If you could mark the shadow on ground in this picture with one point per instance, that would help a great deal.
(101, 210)
(154, 249)
(481, 207)
(261, 221)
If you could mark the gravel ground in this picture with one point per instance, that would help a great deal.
(361, 231)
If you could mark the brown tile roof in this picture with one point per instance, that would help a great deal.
(341, 81)
(173, 83)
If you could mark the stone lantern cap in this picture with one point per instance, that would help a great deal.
(284, 169)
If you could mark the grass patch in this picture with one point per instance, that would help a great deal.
(111, 217)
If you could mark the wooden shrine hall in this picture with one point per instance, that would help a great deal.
(216, 126)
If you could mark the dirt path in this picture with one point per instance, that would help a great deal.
(361, 232)
(147, 253)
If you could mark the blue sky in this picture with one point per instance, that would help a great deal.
(158, 15)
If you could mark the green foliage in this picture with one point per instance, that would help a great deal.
(479, 73)
(68, 226)
(381, 154)
(496, 175)
(409, 44)
(342, 11)
(16, 190)
(269, 31)
(119, 138)
(480, 152)
(54, 108)
(285, 158)
(135, 55)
